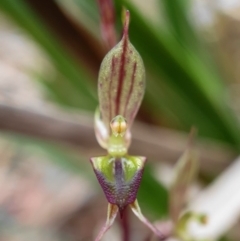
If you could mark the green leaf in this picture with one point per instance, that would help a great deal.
(65, 64)
(178, 22)
(152, 196)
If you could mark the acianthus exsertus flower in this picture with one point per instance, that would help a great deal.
(121, 86)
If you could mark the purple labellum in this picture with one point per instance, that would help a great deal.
(120, 182)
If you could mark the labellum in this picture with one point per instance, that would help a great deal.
(119, 178)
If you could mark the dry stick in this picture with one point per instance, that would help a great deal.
(156, 143)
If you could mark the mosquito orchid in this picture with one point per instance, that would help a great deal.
(121, 87)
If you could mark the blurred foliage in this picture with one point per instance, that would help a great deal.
(186, 171)
(152, 196)
(194, 90)
(71, 76)
(184, 87)
(63, 157)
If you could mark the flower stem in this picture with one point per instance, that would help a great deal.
(125, 226)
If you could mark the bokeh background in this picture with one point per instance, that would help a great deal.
(50, 53)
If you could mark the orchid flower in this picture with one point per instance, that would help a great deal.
(121, 87)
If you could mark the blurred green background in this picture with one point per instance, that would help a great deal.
(189, 80)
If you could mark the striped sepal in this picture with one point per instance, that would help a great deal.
(121, 81)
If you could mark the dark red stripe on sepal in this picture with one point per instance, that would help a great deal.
(121, 83)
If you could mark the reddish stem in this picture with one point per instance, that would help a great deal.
(126, 23)
(125, 224)
(107, 14)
